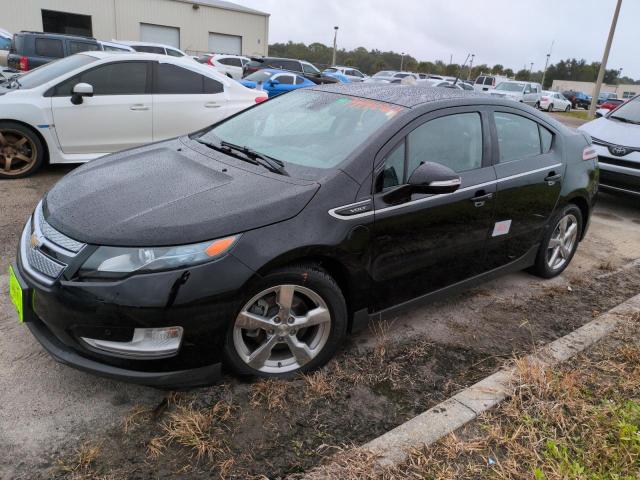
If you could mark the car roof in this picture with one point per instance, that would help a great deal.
(404, 95)
(56, 35)
(184, 61)
(132, 43)
(273, 71)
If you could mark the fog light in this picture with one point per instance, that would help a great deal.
(147, 343)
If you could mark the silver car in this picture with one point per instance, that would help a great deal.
(353, 74)
(520, 91)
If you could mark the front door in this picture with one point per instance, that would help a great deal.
(529, 170)
(185, 101)
(118, 116)
(428, 242)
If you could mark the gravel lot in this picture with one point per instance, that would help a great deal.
(48, 409)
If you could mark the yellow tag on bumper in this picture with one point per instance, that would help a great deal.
(16, 294)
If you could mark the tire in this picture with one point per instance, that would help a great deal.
(21, 151)
(550, 107)
(544, 267)
(537, 105)
(313, 290)
(568, 109)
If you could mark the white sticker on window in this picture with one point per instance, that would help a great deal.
(501, 228)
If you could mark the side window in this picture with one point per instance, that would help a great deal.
(308, 69)
(285, 79)
(393, 173)
(48, 47)
(148, 49)
(122, 78)
(299, 80)
(232, 62)
(488, 81)
(480, 80)
(546, 139)
(454, 141)
(212, 86)
(174, 53)
(527, 88)
(518, 137)
(76, 47)
(172, 79)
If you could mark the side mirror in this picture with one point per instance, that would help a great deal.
(274, 83)
(81, 90)
(434, 178)
(598, 114)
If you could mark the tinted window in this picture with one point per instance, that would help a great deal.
(307, 68)
(5, 43)
(299, 80)
(203, 59)
(77, 47)
(393, 173)
(546, 137)
(123, 78)
(454, 141)
(111, 48)
(48, 47)
(285, 65)
(488, 81)
(171, 79)
(518, 137)
(174, 53)
(285, 79)
(232, 62)
(480, 80)
(148, 49)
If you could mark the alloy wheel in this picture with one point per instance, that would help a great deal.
(281, 329)
(18, 152)
(562, 242)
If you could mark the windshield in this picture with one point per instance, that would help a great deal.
(629, 112)
(259, 76)
(52, 70)
(384, 73)
(306, 128)
(510, 87)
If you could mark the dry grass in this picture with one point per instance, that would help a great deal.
(269, 393)
(80, 465)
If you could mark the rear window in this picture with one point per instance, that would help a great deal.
(77, 47)
(480, 80)
(231, 62)
(5, 43)
(172, 79)
(49, 47)
(488, 81)
(148, 49)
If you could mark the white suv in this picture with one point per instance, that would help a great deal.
(90, 104)
(229, 65)
(525, 92)
(484, 83)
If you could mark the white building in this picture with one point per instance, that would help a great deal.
(195, 26)
(623, 91)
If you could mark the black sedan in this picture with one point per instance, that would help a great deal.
(261, 242)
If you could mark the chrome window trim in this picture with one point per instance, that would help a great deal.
(333, 213)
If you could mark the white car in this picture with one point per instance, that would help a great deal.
(616, 140)
(484, 82)
(229, 65)
(93, 103)
(353, 74)
(148, 47)
(519, 91)
(6, 38)
(554, 102)
(115, 47)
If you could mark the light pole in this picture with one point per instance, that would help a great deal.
(473, 55)
(335, 44)
(605, 58)
(546, 64)
(531, 68)
(402, 60)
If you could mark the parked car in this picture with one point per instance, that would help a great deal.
(87, 105)
(352, 74)
(229, 65)
(616, 139)
(114, 47)
(525, 92)
(30, 50)
(459, 85)
(611, 104)
(338, 75)
(275, 82)
(308, 70)
(484, 83)
(391, 76)
(5, 45)
(605, 96)
(148, 47)
(578, 99)
(260, 242)
(553, 102)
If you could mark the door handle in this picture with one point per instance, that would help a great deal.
(212, 105)
(138, 107)
(481, 197)
(552, 178)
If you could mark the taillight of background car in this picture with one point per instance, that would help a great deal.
(24, 64)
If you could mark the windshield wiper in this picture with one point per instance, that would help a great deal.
(622, 119)
(251, 156)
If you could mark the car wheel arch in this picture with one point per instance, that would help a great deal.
(43, 140)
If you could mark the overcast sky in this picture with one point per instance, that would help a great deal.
(510, 32)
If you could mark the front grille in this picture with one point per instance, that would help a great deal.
(45, 252)
(618, 162)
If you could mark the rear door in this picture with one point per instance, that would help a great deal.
(529, 170)
(428, 242)
(185, 101)
(45, 50)
(118, 116)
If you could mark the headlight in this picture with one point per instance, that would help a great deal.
(128, 260)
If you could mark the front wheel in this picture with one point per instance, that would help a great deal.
(293, 321)
(568, 109)
(21, 151)
(559, 243)
(550, 107)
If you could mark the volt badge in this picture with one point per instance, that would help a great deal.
(501, 228)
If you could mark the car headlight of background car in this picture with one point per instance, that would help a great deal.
(122, 260)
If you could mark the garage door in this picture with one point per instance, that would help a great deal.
(219, 43)
(160, 34)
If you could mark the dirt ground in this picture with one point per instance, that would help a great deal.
(56, 421)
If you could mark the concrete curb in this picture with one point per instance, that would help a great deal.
(428, 427)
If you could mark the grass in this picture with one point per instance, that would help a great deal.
(577, 422)
(580, 114)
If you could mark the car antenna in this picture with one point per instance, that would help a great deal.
(461, 68)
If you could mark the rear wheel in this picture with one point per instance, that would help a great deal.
(550, 107)
(559, 243)
(537, 105)
(293, 321)
(21, 151)
(568, 109)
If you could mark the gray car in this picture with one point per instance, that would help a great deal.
(353, 74)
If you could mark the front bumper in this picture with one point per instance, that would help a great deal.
(201, 299)
(619, 174)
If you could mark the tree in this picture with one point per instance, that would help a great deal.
(523, 74)
(497, 69)
(508, 73)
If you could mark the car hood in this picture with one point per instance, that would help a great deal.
(613, 131)
(169, 194)
(249, 83)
